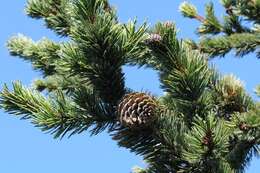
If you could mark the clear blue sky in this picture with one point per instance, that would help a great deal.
(25, 149)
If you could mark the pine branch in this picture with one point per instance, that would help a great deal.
(247, 125)
(233, 24)
(211, 24)
(59, 116)
(68, 84)
(99, 39)
(244, 144)
(242, 44)
(87, 11)
(179, 65)
(230, 97)
(233, 35)
(190, 11)
(54, 12)
(250, 9)
(134, 46)
(42, 54)
(207, 143)
(184, 73)
(57, 14)
(106, 77)
(106, 44)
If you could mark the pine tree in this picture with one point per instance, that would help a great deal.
(205, 122)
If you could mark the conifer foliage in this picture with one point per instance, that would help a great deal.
(205, 122)
(239, 30)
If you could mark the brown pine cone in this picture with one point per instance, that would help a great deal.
(137, 110)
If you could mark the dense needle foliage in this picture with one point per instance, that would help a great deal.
(204, 123)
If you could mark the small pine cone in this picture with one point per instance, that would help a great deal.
(168, 24)
(137, 110)
(154, 38)
(243, 126)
